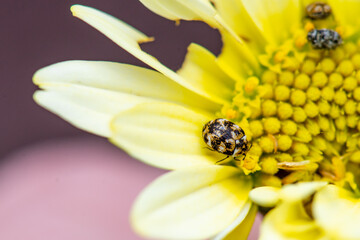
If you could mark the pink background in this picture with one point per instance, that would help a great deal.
(71, 189)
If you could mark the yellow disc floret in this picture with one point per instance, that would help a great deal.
(346, 68)
(298, 98)
(268, 108)
(286, 78)
(302, 81)
(285, 111)
(319, 79)
(282, 93)
(272, 125)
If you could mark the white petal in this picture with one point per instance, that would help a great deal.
(190, 10)
(120, 78)
(241, 227)
(337, 211)
(193, 203)
(270, 196)
(184, 9)
(289, 221)
(114, 29)
(165, 135)
(300, 191)
(265, 196)
(87, 108)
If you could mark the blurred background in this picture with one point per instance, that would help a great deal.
(37, 33)
(57, 182)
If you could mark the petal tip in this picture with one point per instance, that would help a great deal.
(35, 78)
(75, 8)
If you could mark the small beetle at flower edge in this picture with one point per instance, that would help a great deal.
(225, 137)
(324, 39)
(318, 10)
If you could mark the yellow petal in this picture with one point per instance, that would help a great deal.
(300, 191)
(128, 38)
(185, 9)
(289, 221)
(201, 68)
(241, 227)
(190, 10)
(87, 108)
(275, 18)
(237, 60)
(270, 196)
(337, 211)
(236, 16)
(265, 196)
(120, 78)
(193, 203)
(346, 13)
(165, 135)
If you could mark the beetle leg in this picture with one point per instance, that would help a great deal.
(222, 160)
(209, 149)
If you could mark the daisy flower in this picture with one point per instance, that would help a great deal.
(288, 75)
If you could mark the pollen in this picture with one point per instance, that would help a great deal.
(305, 114)
(309, 26)
(279, 56)
(251, 84)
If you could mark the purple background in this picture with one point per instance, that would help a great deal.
(37, 33)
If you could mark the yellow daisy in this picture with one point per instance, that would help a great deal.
(298, 105)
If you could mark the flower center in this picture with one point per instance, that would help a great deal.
(302, 115)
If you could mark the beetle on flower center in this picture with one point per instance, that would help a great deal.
(225, 137)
